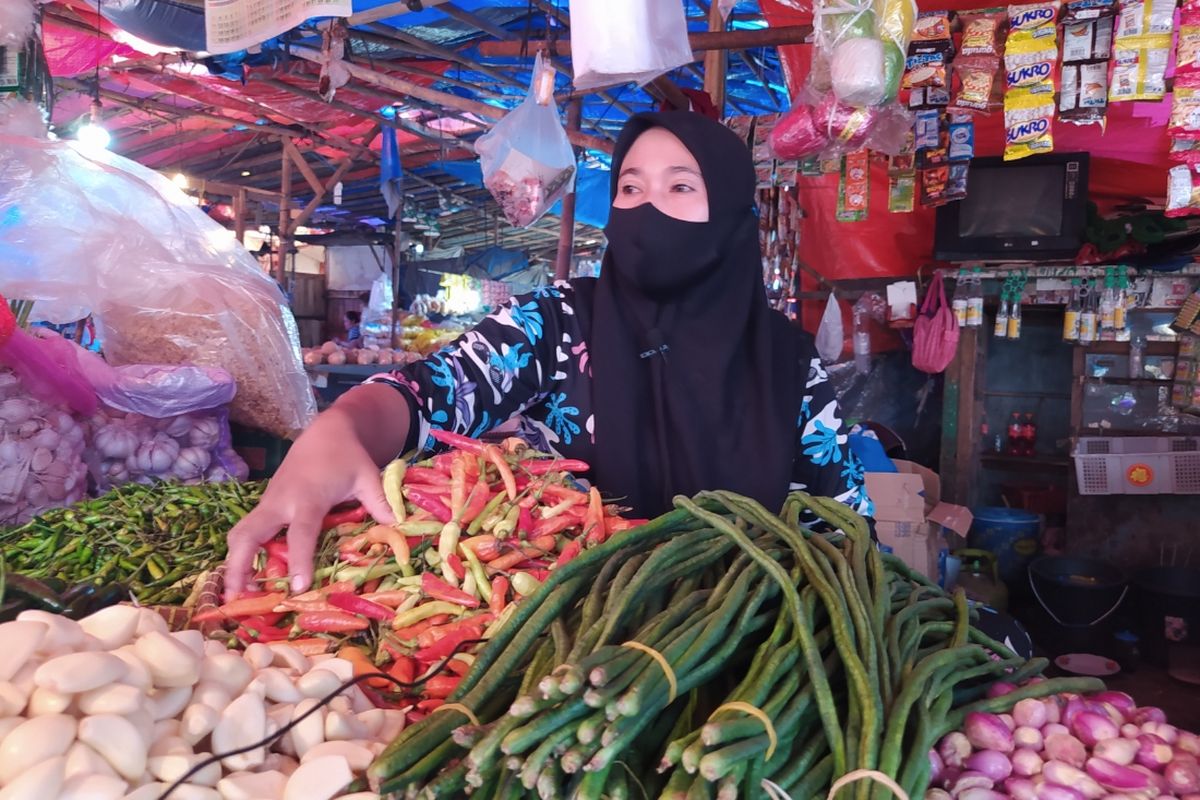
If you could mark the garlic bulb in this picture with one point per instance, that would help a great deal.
(205, 433)
(191, 463)
(116, 440)
(156, 456)
(177, 427)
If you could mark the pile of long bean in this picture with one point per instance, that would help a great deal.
(620, 676)
(154, 539)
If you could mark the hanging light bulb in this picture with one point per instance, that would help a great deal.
(92, 134)
(180, 180)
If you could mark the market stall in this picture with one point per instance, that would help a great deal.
(359, 195)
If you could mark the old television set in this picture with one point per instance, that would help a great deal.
(1034, 209)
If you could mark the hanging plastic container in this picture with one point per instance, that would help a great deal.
(1010, 534)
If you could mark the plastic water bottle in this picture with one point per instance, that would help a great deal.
(862, 341)
(1137, 350)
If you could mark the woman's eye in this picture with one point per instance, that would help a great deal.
(682, 187)
(628, 189)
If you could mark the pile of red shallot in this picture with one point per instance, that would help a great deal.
(1067, 747)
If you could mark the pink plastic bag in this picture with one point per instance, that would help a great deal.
(935, 334)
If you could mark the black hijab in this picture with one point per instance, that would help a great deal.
(697, 382)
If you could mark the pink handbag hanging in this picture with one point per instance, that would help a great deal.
(935, 335)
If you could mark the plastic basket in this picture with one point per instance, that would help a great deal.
(1138, 465)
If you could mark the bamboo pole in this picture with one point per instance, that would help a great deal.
(700, 42)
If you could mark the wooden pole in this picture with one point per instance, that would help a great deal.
(714, 62)
(239, 216)
(566, 230)
(285, 216)
(719, 39)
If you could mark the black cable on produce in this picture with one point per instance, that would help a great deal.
(269, 740)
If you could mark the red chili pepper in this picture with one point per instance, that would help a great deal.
(540, 573)
(506, 474)
(434, 477)
(438, 632)
(499, 594)
(458, 485)
(554, 525)
(426, 501)
(617, 524)
(275, 568)
(330, 622)
(440, 687)
(446, 645)
(354, 604)
(572, 549)
(473, 446)
(553, 490)
(404, 669)
(371, 586)
(241, 607)
(485, 546)
(277, 548)
(438, 589)
(545, 465)
(261, 629)
(477, 500)
(456, 666)
(410, 633)
(456, 565)
(524, 521)
(593, 525)
(341, 516)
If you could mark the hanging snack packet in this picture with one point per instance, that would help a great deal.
(854, 187)
(1145, 18)
(1186, 151)
(981, 34)
(1033, 21)
(1185, 112)
(902, 190)
(976, 82)
(1028, 125)
(1183, 192)
(956, 182)
(1083, 97)
(1084, 41)
(924, 70)
(931, 27)
(926, 129)
(962, 140)
(1187, 54)
(1029, 64)
(1081, 10)
(934, 183)
(1138, 70)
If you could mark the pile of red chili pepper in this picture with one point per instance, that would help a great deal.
(478, 527)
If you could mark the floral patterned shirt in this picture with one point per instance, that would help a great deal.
(529, 360)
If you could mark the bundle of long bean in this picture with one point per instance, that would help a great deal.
(850, 661)
(155, 539)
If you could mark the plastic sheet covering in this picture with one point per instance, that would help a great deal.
(91, 232)
(166, 24)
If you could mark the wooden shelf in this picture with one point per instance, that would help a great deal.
(1129, 381)
(1122, 348)
(1039, 462)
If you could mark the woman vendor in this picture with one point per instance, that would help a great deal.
(669, 373)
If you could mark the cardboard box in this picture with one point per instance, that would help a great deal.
(910, 518)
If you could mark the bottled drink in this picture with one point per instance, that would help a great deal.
(1071, 317)
(862, 341)
(962, 288)
(1108, 302)
(1001, 328)
(1121, 304)
(1028, 434)
(1014, 319)
(975, 300)
(1015, 433)
(1137, 350)
(984, 431)
(1089, 318)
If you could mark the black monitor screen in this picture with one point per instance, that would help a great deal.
(1013, 201)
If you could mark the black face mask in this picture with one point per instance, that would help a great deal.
(659, 255)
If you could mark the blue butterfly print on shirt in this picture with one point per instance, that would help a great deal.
(503, 366)
(822, 445)
(558, 417)
(529, 319)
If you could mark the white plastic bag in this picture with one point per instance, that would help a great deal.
(88, 231)
(619, 41)
(527, 161)
(830, 336)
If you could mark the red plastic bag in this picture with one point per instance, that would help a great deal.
(935, 335)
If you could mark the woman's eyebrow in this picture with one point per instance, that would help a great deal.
(688, 170)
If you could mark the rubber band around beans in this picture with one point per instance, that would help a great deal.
(269, 740)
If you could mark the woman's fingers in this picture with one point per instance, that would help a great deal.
(254, 530)
(302, 534)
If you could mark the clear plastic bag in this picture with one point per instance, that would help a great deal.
(822, 126)
(830, 337)
(527, 161)
(623, 41)
(91, 232)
